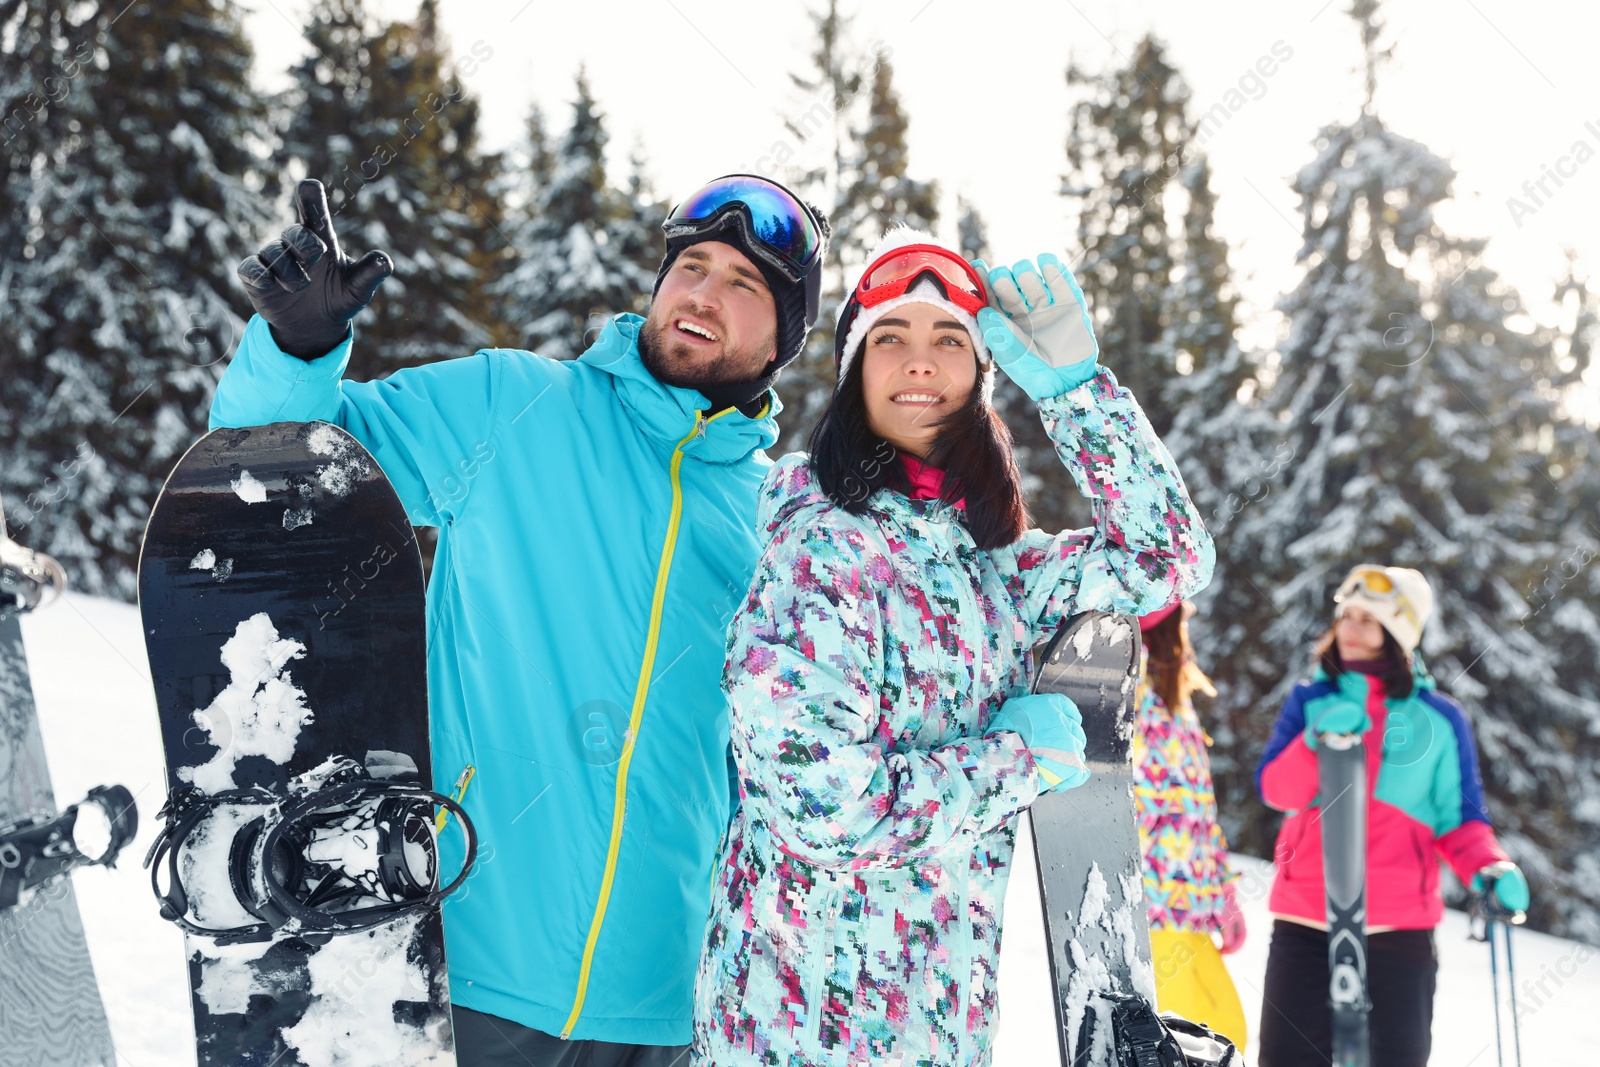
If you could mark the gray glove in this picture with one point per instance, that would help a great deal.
(1037, 326)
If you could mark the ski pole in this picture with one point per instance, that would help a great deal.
(1494, 986)
(1511, 979)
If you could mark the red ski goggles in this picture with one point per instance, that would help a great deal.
(896, 271)
(778, 227)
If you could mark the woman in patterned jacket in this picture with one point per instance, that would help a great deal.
(874, 671)
(1186, 880)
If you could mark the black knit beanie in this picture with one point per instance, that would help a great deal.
(788, 299)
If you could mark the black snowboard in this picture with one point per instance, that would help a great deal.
(50, 1009)
(1342, 795)
(1086, 840)
(281, 592)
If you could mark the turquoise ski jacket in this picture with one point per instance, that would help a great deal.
(597, 531)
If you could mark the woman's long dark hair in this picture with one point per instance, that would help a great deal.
(1169, 662)
(972, 446)
(1396, 676)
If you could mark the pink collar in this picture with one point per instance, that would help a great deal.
(926, 482)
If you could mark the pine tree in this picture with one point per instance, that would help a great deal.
(1161, 300)
(637, 229)
(583, 245)
(381, 116)
(1420, 424)
(972, 233)
(1231, 459)
(880, 193)
(119, 288)
(1128, 138)
(863, 185)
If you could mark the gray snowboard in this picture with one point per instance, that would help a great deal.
(1086, 840)
(50, 1009)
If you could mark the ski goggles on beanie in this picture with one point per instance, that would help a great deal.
(896, 271)
(777, 226)
(1399, 597)
(1375, 584)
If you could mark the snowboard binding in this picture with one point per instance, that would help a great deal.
(41, 849)
(1144, 1037)
(341, 852)
(25, 575)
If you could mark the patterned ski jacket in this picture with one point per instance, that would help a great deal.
(857, 910)
(1185, 854)
(596, 532)
(1424, 801)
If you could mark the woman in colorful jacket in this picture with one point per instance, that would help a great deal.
(1424, 802)
(874, 671)
(1187, 883)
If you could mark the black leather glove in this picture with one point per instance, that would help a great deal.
(306, 288)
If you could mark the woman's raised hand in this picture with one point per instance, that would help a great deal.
(1037, 326)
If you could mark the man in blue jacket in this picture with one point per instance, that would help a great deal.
(596, 534)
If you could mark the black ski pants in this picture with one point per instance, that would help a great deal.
(1296, 1022)
(489, 1041)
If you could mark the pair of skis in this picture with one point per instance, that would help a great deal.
(1342, 778)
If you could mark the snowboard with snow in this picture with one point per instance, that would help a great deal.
(281, 593)
(1342, 795)
(50, 1008)
(1086, 841)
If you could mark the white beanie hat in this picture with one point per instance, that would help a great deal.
(1398, 597)
(924, 292)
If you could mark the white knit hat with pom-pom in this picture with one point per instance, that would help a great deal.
(923, 292)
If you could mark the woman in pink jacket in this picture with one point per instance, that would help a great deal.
(1425, 803)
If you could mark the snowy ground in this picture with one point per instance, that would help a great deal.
(98, 716)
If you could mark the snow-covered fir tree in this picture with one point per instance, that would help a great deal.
(880, 192)
(862, 183)
(1420, 421)
(1562, 602)
(144, 187)
(1127, 141)
(585, 249)
(636, 232)
(972, 233)
(1231, 459)
(380, 115)
(1160, 298)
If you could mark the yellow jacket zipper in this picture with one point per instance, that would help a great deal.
(640, 694)
(463, 780)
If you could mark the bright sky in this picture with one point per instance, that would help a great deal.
(1501, 88)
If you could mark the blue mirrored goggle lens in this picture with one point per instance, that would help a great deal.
(776, 218)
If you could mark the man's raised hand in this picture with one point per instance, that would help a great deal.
(304, 285)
